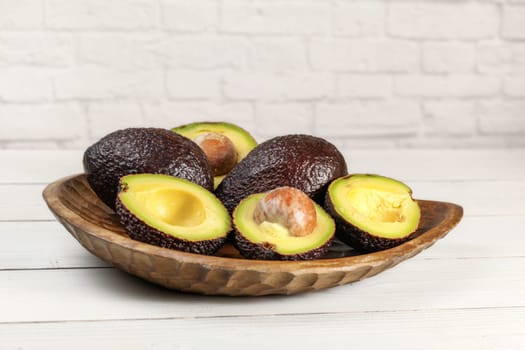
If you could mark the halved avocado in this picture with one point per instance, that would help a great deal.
(172, 212)
(242, 140)
(372, 212)
(272, 241)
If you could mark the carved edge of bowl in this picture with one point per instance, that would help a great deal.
(247, 279)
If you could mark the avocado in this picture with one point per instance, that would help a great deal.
(372, 212)
(225, 144)
(143, 150)
(305, 162)
(171, 212)
(282, 224)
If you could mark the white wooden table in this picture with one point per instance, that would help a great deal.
(465, 292)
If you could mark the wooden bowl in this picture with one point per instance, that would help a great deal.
(96, 227)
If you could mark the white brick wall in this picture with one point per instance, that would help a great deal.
(362, 73)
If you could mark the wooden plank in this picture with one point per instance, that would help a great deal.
(477, 198)
(41, 245)
(440, 165)
(478, 329)
(32, 166)
(23, 202)
(108, 294)
(47, 245)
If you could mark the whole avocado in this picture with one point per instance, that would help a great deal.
(305, 162)
(143, 150)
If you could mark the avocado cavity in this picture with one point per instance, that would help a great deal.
(372, 212)
(172, 212)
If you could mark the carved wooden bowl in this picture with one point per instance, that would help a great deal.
(96, 227)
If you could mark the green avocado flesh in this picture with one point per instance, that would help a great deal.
(376, 205)
(276, 235)
(241, 139)
(172, 206)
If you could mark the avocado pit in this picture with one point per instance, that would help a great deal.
(220, 151)
(288, 207)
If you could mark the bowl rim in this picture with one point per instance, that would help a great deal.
(454, 214)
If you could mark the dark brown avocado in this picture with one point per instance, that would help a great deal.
(272, 239)
(172, 213)
(305, 162)
(372, 212)
(143, 150)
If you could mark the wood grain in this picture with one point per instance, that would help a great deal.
(95, 226)
(407, 330)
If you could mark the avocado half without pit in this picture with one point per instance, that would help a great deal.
(225, 144)
(282, 224)
(372, 212)
(172, 212)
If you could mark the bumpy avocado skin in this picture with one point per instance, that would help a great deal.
(143, 150)
(140, 231)
(305, 162)
(265, 251)
(357, 238)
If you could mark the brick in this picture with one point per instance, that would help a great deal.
(361, 18)
(447, 86)
(365, 55)
(443, 20)
(281, 119)
(21, 14)
(107, 117)
(42, 49)
(515, 86)
(358, 85)
(501, 58)
(207, 52)
(54, 122)
(193, 84)
(119, 51)
(368, 118)
(307, 17)
(274, 86)
(513, 22)
(277, 55)
(101, 14)
(501, 117)
(449, 118)
(88, 83)
(189, 16)
(172, 114)
(25, 85)
(448, 57)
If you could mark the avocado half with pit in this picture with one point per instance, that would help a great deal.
(225, 144)
(372, 212)
(171, 212)
(268, 238)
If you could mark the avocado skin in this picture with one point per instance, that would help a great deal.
(305, 162)
(358, 239)
(265, 251)
(140, 231)
(143, 150)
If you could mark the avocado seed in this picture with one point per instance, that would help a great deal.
(288, 207)
(220, 151)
